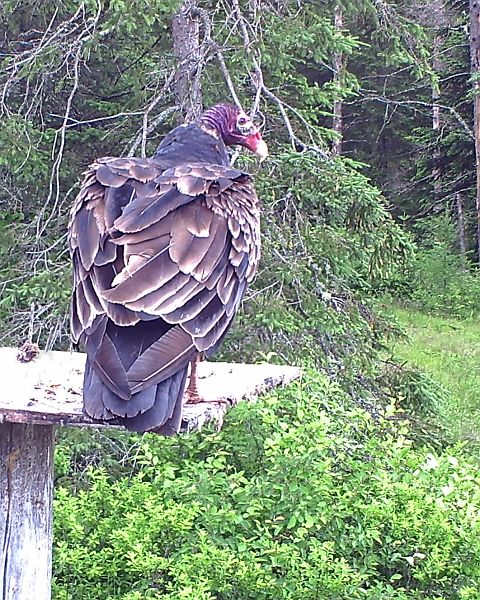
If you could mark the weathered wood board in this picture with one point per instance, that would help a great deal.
(26, 488)
(48, 390)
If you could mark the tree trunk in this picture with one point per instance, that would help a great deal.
(338, 68)
(475, 69)
(436, 122)
(26, 484)
(188, 52)
(462, 239)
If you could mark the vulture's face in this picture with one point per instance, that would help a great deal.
(246, 133)
(235, 127)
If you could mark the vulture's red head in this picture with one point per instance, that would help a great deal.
(234, 126)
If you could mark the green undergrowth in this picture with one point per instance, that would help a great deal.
(301, 496)
(448, 350)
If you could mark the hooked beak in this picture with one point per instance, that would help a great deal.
(255, 143)
(261, 150)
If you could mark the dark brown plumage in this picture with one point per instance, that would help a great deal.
(162, 249)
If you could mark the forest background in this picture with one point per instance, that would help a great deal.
(360, 481)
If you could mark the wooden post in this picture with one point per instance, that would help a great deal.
(26, 485)
(43, 393)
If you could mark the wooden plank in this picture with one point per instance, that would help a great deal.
(48, 390)
(26, 483)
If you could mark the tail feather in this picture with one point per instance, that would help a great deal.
(165, 416)
(93, 398)
(137, 403)
(164, 401)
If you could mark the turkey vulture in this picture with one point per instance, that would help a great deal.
(162, 249)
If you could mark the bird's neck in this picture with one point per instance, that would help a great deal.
(191, 143)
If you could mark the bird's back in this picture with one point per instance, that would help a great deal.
(162, 249)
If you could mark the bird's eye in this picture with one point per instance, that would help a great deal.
(244, 125)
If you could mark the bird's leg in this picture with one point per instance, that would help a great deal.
(191, 393)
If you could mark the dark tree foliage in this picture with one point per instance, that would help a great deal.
(87, 80)
(92, 80)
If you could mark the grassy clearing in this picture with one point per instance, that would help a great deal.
(449, 351)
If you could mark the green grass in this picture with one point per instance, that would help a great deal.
(449, 351)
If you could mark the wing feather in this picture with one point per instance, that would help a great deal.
(76, 326)
(192, 308)
(151, 301)
(206, 319)
(151, 275)
(90, 236)
(141, 214)
(212, 337)
(213, 262)
(107, 253)
(153, 231)
(165, 300)
(109, 177)
(164, 257)
(109, 368)
(162, 359)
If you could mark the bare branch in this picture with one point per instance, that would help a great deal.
(227, 77)
(76, 123)
(419, 103)
(257, 79)
(148, 127)
(55, 176)
(54, 184)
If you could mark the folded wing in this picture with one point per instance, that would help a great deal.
(161, 262)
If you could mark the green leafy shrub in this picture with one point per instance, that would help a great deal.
(438, 280)
(328, 241)
(300, 496)
(416, 391)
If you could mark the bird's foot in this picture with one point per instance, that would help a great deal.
(193, 397)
